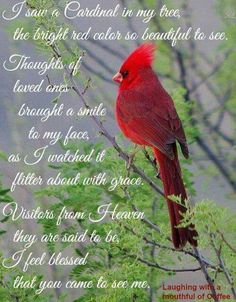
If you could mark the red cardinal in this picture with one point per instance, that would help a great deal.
(147, 116)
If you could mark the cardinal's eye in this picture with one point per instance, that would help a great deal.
(125, 74)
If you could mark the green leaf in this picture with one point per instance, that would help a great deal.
(3, 155)
(4, 192)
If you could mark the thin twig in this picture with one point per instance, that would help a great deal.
(207, 276)
(204, 78)
(225, 241)
(222, 264)
(166, 269)
(157, 265)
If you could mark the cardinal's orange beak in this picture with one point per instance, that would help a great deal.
(118, 78)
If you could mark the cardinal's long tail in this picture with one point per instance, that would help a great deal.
(170, 173)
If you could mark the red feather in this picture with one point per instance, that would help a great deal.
(146, 115)
(142, 56)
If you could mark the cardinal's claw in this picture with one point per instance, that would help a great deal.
(130, 161)
(158, 175)
(155, 162)
(131, 158)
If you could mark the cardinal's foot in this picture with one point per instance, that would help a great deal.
(131, 158)
(130, 161)
(158, 175)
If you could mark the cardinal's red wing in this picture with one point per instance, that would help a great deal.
(149, 121)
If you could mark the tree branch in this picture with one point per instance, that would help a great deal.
(166, 269)
(205, 77)
(222, 264)
(207, 276)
